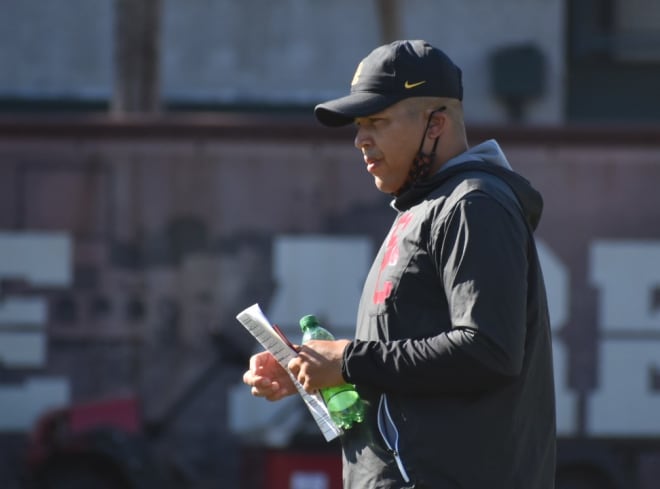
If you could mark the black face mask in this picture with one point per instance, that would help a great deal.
(421, 164)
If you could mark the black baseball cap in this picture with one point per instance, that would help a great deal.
(389, 74)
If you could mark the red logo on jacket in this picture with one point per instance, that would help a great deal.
(390, 258)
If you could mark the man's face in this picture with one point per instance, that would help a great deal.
(389, 141)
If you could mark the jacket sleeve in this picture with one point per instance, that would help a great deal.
(481, 254)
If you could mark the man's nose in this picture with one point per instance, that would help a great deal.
(362, 139)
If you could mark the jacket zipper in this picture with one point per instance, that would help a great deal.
(389, 430)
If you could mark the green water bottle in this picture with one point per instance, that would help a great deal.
(343, 401)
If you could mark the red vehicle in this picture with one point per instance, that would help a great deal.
(98, 445)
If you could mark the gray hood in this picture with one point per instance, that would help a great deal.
(486, 152)
(486, 157)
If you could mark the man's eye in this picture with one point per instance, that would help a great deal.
(369, 122)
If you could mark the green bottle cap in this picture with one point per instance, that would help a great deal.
(308, 321)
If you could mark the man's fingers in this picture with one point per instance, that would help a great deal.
(247, 377)
(258, 361)
(300, 371)
(307, 385)
(273, 393)
(264, 391)
(294, 366)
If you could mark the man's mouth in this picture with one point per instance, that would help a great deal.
(372, 163)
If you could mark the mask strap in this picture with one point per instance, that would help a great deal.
(421, 164)
(428, 124)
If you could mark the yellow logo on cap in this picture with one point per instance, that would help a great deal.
(407, 85)
(356, 77)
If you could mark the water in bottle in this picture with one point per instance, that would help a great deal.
(343, 401)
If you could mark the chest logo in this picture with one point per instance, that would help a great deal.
(390, 259)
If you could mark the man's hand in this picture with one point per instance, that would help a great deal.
(267, 378)
(318, 364)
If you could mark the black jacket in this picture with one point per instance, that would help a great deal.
(452, 353)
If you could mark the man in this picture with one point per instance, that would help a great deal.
(452, 351)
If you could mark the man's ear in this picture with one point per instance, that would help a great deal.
(438, 124)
